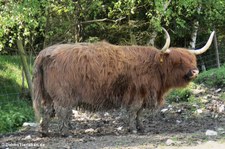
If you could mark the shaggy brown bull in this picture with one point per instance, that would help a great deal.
(102, 75)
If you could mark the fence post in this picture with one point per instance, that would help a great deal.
(25, 65)
(217, 52)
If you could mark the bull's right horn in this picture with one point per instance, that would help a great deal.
(165, 48)
(205, 48)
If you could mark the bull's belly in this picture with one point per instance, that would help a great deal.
(91, 102)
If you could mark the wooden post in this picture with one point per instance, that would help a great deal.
(25, 64)
(217, 52)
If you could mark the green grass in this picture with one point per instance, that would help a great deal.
(14, 109)
(181, 94)
(222, 96)
(213, 77)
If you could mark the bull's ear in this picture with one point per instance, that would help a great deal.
(163, 56)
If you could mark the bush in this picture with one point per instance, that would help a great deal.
(179, 95)
(213, 77)
(13, 114)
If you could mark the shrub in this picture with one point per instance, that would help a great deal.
(179, 95)
(14, 113)
(213, 77)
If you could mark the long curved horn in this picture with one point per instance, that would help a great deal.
(205, 48)
(167, 44)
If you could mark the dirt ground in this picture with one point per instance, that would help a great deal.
(177, 125)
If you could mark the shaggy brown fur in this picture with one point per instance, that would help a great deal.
(106, 76)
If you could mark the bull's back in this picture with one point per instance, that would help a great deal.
(94, 74)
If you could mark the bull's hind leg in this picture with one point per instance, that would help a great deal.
(64, 115)
(47, 112)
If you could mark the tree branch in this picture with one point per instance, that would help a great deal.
(102, 20)
(166, 5)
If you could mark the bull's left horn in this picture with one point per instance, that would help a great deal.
(205, 48)
(165, 48)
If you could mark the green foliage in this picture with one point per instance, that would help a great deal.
(122, 8)
(213, 77)
(185, 96)
(14, 110)
(19, 19)
(222, 96)
(13, 113)
(179, 95)
(41, 23)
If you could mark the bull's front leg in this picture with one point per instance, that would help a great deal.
(140, 120)
(134, 115)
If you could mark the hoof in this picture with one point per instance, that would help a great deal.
(65, 135)
(43, 134)
(133, 131)
(141, 130)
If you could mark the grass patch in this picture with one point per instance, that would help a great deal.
(213, 77)
(181, 94)
(14, 110)
(222, 96)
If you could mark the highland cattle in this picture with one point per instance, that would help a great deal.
(103, 76)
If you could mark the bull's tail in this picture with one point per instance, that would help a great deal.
(37, 87)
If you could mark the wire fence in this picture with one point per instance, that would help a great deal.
(13, 86)
(211, 59)
(7, 92)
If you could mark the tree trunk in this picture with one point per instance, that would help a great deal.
(152, 40)
(154, 34)
(193, 43)
(77, 25)
(194, 37)
(76, 29)
(47, 28)
(133, 40)
(25, 65)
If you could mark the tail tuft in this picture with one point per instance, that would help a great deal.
(37, 87)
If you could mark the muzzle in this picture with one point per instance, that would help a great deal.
(193, 73)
